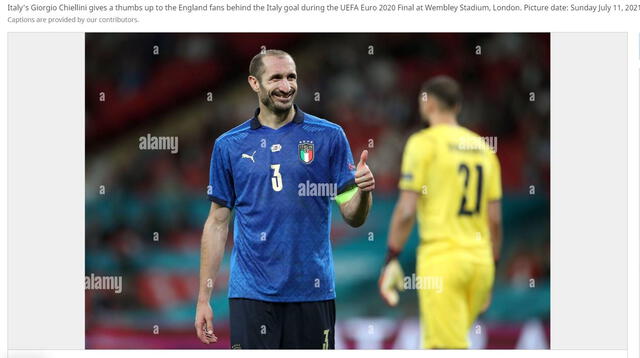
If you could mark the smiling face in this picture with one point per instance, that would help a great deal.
(276, 85)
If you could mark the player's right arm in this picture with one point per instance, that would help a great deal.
(416, 156)
(402, 220)
(214, 238)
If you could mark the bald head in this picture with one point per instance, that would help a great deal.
(257, 65)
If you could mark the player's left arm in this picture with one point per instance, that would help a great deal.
(495, 227)
(355, 203)
(494, 207)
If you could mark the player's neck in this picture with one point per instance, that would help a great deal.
(275, 120)
(444, 119)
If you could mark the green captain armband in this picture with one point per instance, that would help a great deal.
(346, 195)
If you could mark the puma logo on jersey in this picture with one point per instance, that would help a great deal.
(249, 156)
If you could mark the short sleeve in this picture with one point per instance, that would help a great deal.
(342, 167)
(494, 191)
(415, 160)
(220, 189)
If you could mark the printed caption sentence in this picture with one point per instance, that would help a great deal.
(134, 13)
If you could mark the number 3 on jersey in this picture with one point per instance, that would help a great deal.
(276, 179)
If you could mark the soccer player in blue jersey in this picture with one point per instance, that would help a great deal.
(279, 171)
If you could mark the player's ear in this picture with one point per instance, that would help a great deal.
(422, 103)
(253, 82)
(434, 105)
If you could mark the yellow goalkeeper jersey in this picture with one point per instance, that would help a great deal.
(457, 173)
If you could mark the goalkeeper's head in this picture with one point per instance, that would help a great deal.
(440, 100)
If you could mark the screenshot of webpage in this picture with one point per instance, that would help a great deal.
(302, 175)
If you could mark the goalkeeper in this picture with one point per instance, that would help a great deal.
(451, 182)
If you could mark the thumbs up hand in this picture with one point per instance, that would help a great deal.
(364, 177)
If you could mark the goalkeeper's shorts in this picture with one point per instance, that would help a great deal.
(455, 287)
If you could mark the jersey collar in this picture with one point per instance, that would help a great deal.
(297, 118)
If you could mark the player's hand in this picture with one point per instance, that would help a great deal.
(391, 281)
(364, 177)
(204, 323)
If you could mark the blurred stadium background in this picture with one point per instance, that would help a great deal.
(146, 226)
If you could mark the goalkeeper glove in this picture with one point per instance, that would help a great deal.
(391, 279)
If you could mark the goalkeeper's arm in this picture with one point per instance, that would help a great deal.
(402, 220)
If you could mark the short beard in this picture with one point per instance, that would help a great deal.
(268, 102)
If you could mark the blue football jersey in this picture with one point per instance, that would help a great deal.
(281, 183)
